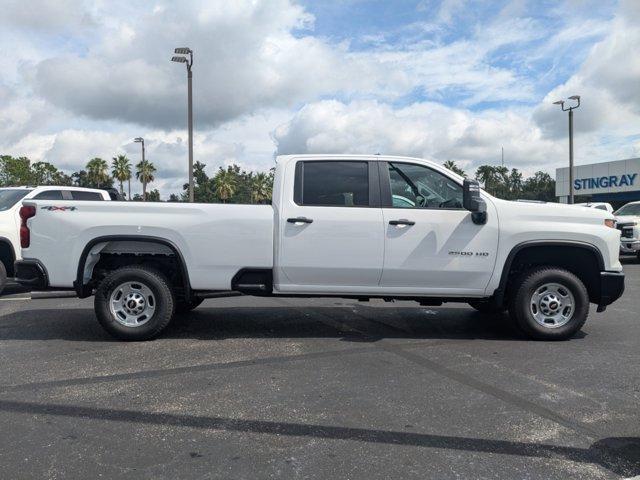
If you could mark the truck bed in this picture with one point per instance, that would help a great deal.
(215, 240)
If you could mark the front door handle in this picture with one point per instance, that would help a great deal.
(299, 220)
(402, 221)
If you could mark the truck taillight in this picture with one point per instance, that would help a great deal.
(26, 212)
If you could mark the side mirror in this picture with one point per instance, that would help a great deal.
(472, 201)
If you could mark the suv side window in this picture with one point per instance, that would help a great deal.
(417, 186)
(332, 183)
(49, 195)
(81, 195)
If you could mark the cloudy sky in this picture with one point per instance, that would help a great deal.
(442, 79)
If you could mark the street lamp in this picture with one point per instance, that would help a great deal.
(570, 110)
(189, 63)
(138, 140)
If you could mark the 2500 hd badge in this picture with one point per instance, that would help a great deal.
(457, 253)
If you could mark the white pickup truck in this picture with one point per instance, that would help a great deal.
(628, 222)
(339, 226)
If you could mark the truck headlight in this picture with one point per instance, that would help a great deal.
(610, 222)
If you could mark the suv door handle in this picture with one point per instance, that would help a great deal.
(300, 220)
(402, 221)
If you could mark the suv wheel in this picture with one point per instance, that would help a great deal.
(134, 303)
(549, 303)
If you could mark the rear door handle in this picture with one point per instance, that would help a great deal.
(402, 221)
(300, 220)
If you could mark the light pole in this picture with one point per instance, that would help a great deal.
(570, 110)
(140, 140)
(189, 63)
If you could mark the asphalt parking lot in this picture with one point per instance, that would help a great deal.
(281, 388)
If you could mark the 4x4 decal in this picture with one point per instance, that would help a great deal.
(53, 208)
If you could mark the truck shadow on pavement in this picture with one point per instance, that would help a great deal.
(620, 455)
(352, 323)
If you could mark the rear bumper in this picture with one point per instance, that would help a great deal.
(32, 274)
(611, 288)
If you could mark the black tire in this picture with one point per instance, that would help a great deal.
(184, 307)
(487, 308)
(3, 277)
(521, 310)
(163, 303)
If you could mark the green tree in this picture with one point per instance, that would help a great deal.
(98, 172)
(121, 171)
(539, 187)
(451, 165)
(487, 175)
(144, 172)
(261, 187)
(15, 171)
(153, 195)
(515, 184)
(174, 198)
(226, 184)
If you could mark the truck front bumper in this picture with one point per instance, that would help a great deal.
(629, 245)
(31, 274)
(611, 288)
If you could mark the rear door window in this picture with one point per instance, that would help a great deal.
(332, 183)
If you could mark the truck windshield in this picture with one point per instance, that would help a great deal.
(9, 197)
(629, 209)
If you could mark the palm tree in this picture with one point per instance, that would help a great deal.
(144, 173)
(225, 184)
(261, 186)
(451, 165)
(486, 174)
(97, 170)
(121, 171)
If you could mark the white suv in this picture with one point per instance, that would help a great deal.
(10, 202)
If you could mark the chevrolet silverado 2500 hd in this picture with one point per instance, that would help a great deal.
(340, 226)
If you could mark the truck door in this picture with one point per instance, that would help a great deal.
(431, 244)
(330, 228)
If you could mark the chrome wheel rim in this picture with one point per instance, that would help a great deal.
(552, 305)
(132, 304)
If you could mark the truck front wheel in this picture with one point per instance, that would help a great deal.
(549, 303)
(134, 303)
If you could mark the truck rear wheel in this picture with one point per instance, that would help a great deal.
(134, 303)
(549, 303)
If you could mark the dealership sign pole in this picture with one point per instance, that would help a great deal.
(570, 110)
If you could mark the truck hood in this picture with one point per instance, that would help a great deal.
(556, 211)
(627, 218)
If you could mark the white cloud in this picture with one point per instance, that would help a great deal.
(608, 82)
(428, 130)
